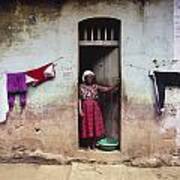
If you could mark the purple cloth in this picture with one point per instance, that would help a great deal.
(16, 82)
(16, 85)
(12, 97)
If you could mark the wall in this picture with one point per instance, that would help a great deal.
(49, 122)
(155, 52)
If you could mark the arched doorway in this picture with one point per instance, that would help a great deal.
(99, 50)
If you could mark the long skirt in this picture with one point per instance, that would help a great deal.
(92, 124)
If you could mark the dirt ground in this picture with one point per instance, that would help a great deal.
(80, 171)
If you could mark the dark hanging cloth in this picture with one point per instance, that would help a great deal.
(160, 81)
(16, 85)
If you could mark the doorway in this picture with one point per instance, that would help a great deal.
(99, 51)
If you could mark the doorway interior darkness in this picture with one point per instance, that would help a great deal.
(99, 51)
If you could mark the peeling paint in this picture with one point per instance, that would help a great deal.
(34, 34)
(170, 119)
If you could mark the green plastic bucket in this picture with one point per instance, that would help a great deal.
(108, 144)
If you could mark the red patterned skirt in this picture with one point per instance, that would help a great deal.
(92, 124)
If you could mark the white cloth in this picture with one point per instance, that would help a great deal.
(4, 107)
(50, 71)
(30, 80)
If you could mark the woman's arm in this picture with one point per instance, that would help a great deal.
(80, 101)
(106, 88)
(80, 108)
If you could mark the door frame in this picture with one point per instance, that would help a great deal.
(120, 74)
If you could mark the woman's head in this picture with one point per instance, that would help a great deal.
(88, 77)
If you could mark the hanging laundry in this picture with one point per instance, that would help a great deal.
(4, 108)
(159, 89)
(16, 85)
(160, 81)
(39, 75)
(13, 84)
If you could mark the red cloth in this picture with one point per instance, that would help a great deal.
(38, 73)
(92, 124)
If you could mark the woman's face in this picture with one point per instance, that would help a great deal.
(89, 79)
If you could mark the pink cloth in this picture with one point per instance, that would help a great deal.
(92, 124)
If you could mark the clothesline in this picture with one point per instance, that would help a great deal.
(54, 62)
(58, 59)
(129, 65)
(145, 69)
(137, 67)
(149, 70)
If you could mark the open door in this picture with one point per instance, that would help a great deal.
(99, 51)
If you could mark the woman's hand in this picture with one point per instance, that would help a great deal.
(116, 88)
(81, 113)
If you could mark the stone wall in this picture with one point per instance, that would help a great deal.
(33, 34)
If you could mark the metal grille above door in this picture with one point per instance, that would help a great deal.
(99, 32)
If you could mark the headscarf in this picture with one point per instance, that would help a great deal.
(86, 73)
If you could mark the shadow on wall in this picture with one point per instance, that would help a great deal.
(22, 15)
(12, 3)
(56, 3)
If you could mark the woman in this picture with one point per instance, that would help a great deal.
(92, 123)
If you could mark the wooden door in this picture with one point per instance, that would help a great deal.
(107, 73)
